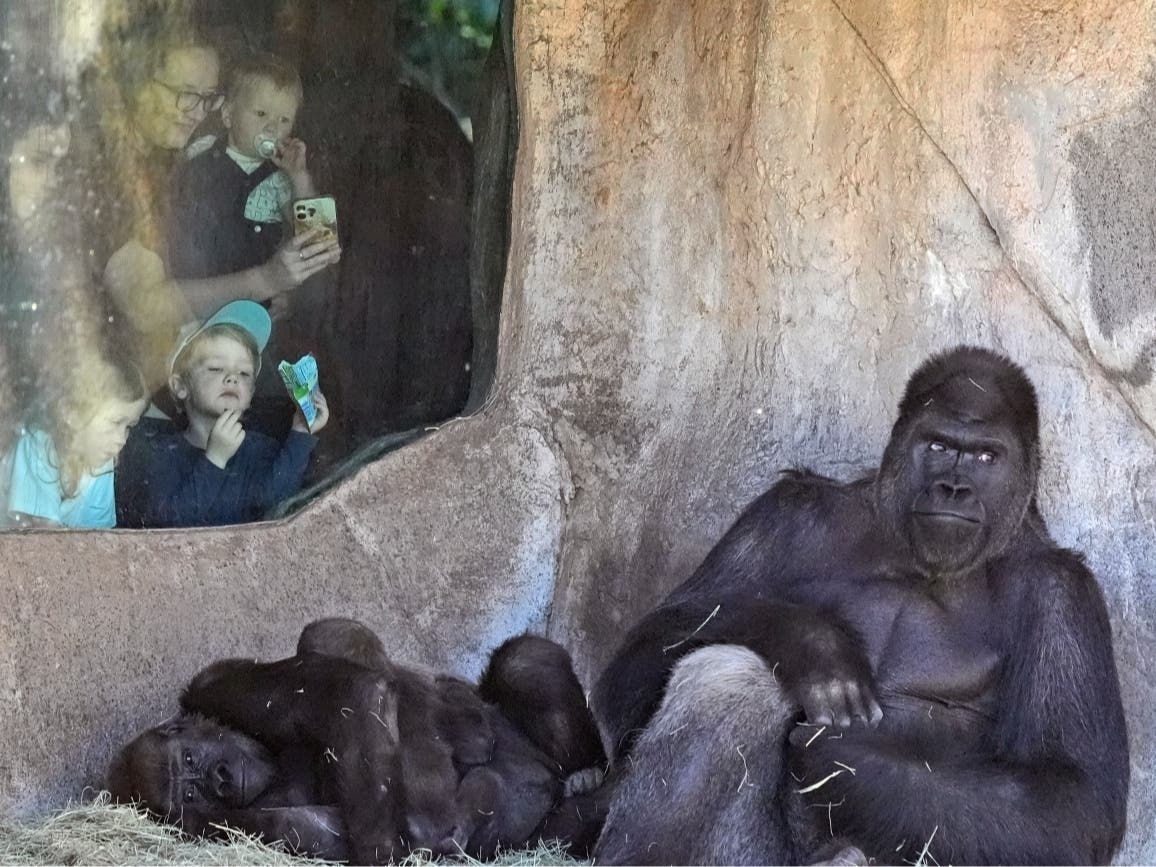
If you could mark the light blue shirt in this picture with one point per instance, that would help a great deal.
(35, 487)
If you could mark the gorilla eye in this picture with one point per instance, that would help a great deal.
(188, 757)
(190, 794)
(987, 457)
(937, 446)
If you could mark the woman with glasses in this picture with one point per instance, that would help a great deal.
(157, 84)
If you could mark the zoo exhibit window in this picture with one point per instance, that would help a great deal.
(166, 159)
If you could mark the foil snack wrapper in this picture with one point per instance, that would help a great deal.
(300, 379)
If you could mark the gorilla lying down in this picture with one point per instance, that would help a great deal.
(339, 753)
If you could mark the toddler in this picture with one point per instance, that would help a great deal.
(231, 199)
(60, 472)
(214, 471)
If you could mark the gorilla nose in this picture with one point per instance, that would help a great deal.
(953, 490)
(222, 780)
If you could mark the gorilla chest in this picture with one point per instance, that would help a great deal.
(928, 647)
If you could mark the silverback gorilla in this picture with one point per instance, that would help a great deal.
(905, 667)
(340, 753)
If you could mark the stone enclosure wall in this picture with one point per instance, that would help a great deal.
(737, 228)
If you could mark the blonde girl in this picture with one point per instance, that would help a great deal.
(61, 469)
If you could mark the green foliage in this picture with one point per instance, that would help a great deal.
(443, 45)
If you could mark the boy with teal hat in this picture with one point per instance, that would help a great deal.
(214, 471)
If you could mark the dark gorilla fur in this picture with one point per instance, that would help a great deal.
(944, 671)
(341, 753)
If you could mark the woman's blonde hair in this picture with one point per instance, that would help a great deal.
(137, 40)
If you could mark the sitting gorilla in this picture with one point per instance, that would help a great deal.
(342, 754)
(951, 666)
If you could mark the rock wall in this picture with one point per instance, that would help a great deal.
(766, 214)
(737, 229)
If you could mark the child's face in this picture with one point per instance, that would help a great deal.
(101, 440)
(219, 376)
(259, 108)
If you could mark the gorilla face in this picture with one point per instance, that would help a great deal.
(959, 472)
(191, 771)
(960, 481)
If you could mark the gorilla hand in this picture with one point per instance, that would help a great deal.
(582, 782)
(831, 678)
(838, 700)
(819, 660)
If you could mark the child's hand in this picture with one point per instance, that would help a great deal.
(225, 438)
(322, 406)
(290, 158)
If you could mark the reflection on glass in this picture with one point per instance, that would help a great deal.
(167, 158)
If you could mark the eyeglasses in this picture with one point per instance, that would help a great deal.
(188, 100)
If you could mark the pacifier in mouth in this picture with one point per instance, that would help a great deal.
(265, 144)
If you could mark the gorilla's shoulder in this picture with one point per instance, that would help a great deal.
(800, 512)
(799, 490)
(1040, 559)
(1050, 578)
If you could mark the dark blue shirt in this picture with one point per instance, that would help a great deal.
(208, 233)
(165, 481)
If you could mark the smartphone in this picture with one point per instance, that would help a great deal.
(316, 213)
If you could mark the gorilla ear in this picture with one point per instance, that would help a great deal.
(119, 780)
(140, 771)
(130, 772)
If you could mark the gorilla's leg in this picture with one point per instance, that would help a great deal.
(346, 639)
(532, 680)
(705, 782)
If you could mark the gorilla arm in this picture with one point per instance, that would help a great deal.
(1053, 787)
(343, 708)
(313, 831)
(820, 663)
(818, 659)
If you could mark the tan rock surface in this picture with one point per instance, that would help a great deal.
(737, 228)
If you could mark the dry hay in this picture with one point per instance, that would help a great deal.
(99, 832)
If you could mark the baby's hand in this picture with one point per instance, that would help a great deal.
(322, 406)
(225, 438)
(290, 158)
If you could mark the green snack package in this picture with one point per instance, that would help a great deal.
(300, 379)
